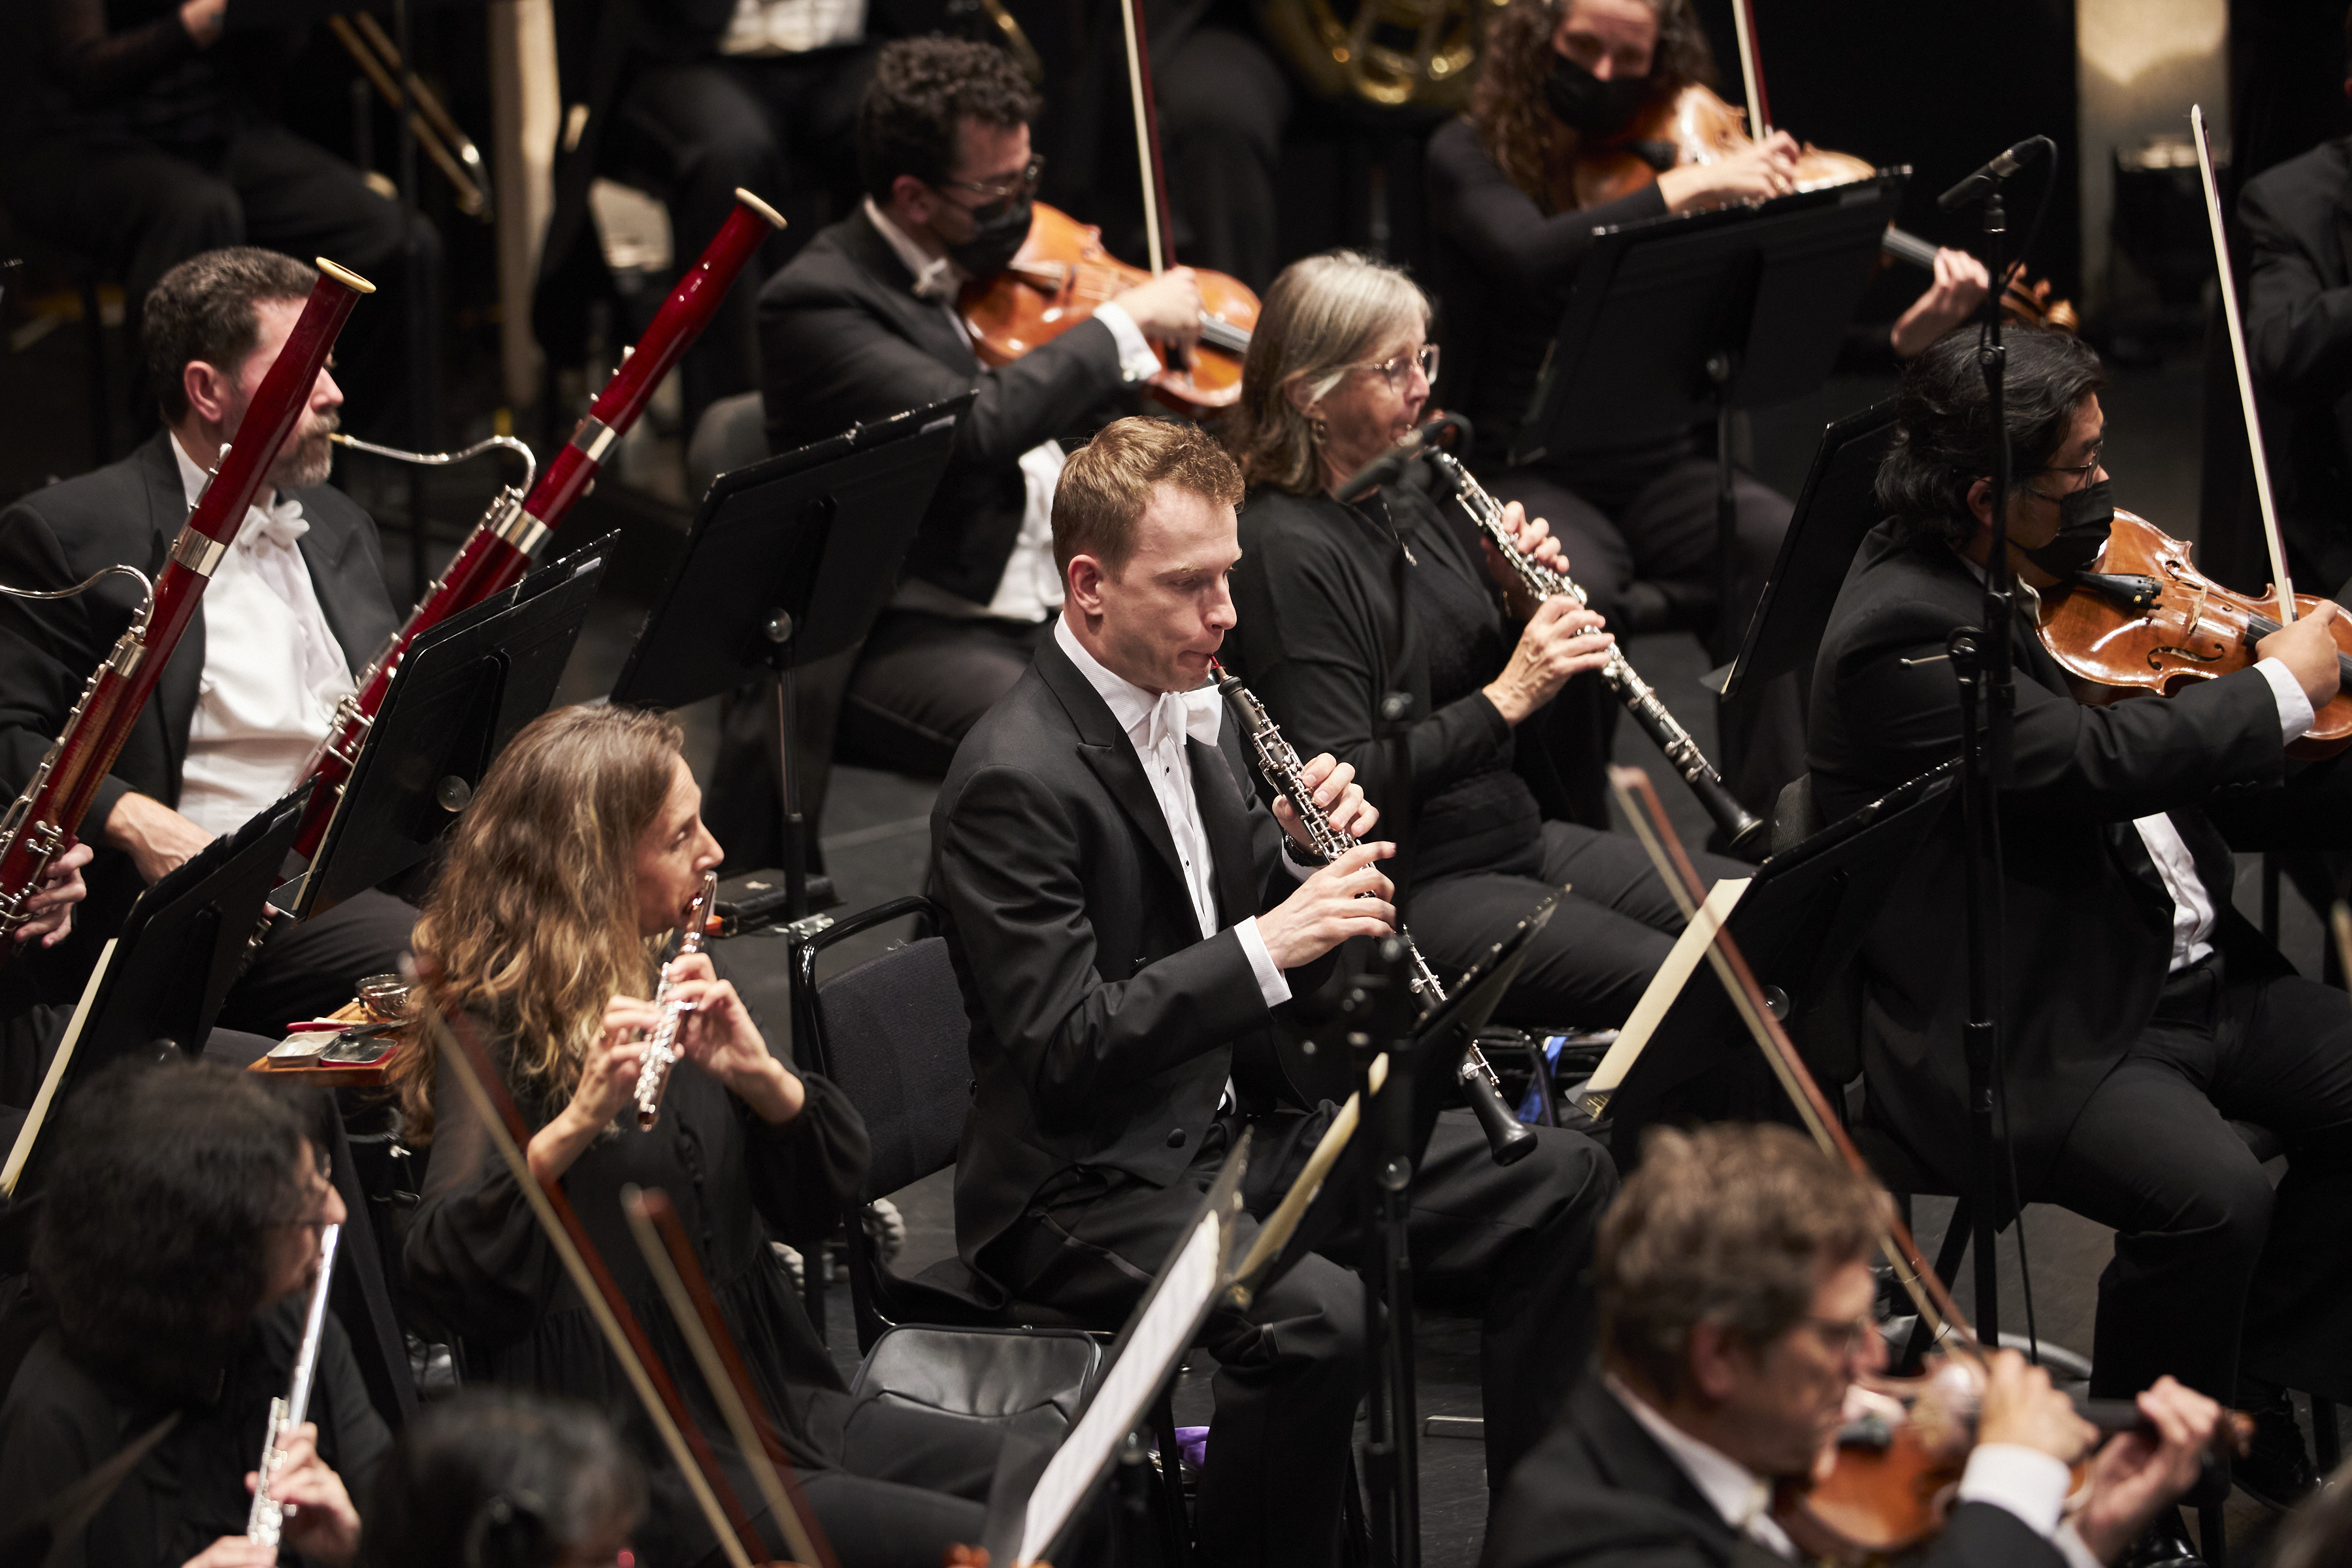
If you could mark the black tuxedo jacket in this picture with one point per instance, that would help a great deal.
(843, 340)
(2089, 931)
(2298, 221)
(1600, 1490)
(127, 513)
(1103, 1028)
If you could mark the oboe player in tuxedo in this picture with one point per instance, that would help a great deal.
(1130, 924)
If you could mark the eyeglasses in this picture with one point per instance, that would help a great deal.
(1392, 370)
(999, 192)
(1841, 1337)
(2079, 471)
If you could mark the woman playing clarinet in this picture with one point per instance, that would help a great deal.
(1339, 371)
(583, 847)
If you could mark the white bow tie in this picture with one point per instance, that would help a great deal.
(282, 523)
(1196, 713)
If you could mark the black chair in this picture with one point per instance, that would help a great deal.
(892, 1033)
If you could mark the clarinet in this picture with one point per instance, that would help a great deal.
(267, 1519)
(1510, 1138)
(1740, 827)
(514, 529)
(45, 818)
(661, 1043)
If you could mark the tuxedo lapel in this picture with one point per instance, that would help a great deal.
(1226, 822)
(326, 548)
(176, 688)
(893, 288)
(1108, 754)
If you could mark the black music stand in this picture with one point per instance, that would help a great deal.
(1834, 511)
(462, 690)
(1799, 924)
(789, 561)
(1678, 319)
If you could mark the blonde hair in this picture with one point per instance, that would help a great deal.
(533, 917)
(1107, 484)
(1322, 317)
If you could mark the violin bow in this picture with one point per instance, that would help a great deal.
(1751, 70)
(1147, 138)
(2238, 358)
(670, 1256)
(689, 1449)
(1920, 1283)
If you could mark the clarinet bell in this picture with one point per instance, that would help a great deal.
(1510, 1138)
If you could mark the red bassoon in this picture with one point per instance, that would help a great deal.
(47, 817)
(510, 534)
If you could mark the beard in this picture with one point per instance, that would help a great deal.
(311, 457)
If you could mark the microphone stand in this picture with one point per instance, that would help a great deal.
(1983, 663)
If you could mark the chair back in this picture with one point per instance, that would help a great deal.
(892, 1033)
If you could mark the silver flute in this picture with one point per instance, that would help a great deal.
(1507, 1137)
(1740, 827)
(661, 1043)
(266, 1521)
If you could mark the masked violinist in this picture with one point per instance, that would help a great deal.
(1559, 77)
(1735, 1315)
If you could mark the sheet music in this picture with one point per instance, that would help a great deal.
(1160, 1337)
(1689, 949)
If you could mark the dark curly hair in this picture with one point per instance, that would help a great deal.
(1507, 102)
(1942, 423)
(493, 1478)
(152, 1246)
(921, 89)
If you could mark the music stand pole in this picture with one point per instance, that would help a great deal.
(1380, 1013)
(1725, 644)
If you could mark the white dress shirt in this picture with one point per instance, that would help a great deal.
(772, 28)
(1157, 726)
(2194, 913)
(2029, 1483)
(273, 671)
(1030, 587)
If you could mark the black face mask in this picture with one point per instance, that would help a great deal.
(1585, 103)
(2085, 518)
(994, 241)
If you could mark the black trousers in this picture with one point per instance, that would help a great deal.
(306, 969)
(2214, 1273)
(694, 132)
(1591, 962)
(137, 209)
(1290, 1370)
(904, 700)
(1223, 104)
(1663, 531)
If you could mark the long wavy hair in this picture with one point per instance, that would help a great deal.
(533, 918)
(1507, 101)
(153, 1243)
(1321, 316)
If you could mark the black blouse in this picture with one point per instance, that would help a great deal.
(476, 1257)
(1315, 637)
(62, 1420)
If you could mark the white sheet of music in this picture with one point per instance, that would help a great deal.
(1160, 1337)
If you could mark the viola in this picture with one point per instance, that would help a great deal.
(1062, 274)
(2147, 620)
(1701, 128)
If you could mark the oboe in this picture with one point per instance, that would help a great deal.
(1740, 827)
(267, 1519)
(661, 1044)
(1509, 1138)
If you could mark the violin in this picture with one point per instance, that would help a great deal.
(1885, 1487)
(2147, 620)
(1062, 274)
(1695, 127)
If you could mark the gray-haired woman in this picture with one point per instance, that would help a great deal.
(1339, 370)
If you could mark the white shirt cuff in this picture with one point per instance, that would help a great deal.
(2028, 1482)
(2073, 1548)
(1136, 359)
(2294, 708)
(1270, 982)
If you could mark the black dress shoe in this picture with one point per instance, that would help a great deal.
(2276, 1471)
(2163, 1544)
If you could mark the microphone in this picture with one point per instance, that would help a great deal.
(2002, 166)
(1385, 469)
